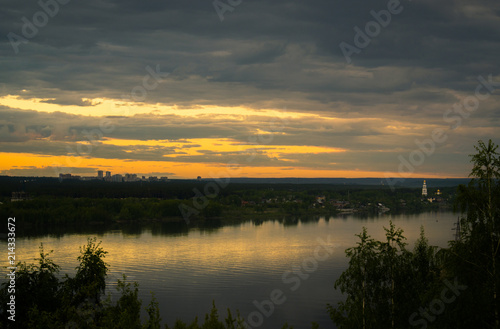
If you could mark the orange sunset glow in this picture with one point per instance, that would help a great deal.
(220, 142)
(182, 104)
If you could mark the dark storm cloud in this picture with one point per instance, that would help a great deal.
(100, 48)
(264, 54)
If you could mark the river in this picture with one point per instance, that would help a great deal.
(271, 271)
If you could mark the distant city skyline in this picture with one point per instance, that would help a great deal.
(110, 177)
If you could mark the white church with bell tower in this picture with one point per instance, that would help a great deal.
(424, 189)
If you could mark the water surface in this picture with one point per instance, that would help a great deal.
(237, 266)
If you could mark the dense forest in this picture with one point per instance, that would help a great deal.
(52, 203)
(386, 285)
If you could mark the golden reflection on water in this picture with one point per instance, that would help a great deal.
(233, 265)
(267, 246)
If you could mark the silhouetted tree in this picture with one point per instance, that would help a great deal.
(474, 257)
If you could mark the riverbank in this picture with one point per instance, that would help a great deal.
(256, 204)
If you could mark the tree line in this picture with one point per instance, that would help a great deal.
(48, 209)
(389, 286)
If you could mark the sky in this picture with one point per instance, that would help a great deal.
(239, 88)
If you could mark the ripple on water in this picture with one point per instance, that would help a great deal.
(235, 265)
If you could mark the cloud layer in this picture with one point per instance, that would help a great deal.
(233, 80)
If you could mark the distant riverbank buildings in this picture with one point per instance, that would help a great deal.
(436, 198)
